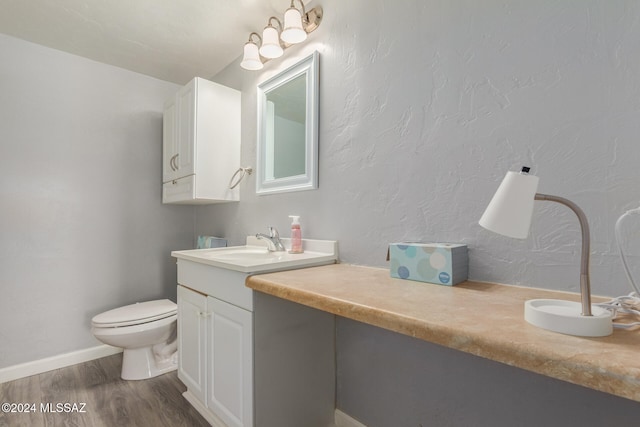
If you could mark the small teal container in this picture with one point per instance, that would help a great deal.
(206, 242)
(440, 263)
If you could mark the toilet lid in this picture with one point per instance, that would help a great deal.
(135, 314)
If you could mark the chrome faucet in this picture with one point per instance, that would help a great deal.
(273, 240)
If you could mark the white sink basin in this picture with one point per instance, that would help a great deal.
(254, 257)
(241, 252)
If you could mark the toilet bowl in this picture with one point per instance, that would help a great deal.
(146, 332)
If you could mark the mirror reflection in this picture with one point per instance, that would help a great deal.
(288, 129)
(286, 116)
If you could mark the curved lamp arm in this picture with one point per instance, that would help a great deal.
(585, 287)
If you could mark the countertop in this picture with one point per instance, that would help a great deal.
(483, 319)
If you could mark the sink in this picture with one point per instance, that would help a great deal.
(254, 257)
(241, 252)
(245, 253)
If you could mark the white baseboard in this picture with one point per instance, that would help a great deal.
(23, 370)
(344, 420)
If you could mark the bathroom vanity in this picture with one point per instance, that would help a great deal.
(247, 358)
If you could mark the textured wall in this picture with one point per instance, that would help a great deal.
(83, 229)
(424, 106)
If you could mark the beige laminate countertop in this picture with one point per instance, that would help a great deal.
(483, 319)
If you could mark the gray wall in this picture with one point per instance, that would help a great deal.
(83, 228)
(424, 106)
(391, 380)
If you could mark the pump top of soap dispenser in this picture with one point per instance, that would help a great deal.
(295, 220)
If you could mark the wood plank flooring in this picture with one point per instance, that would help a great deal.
(108, 400)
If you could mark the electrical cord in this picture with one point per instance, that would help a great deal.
(623, 256)
(629, 305)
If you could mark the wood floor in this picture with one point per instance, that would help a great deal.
(108, 400)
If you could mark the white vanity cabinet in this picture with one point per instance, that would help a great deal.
(216, 347)
(249, 359)
(215, 343)
(192, 315)
(201, 144)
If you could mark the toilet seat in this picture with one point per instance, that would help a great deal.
(135, 314)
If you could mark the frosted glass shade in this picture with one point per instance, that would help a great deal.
(251, 58)
(293, 32)
(510, 210)
(271, 43)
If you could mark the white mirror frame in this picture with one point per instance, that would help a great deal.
(308, 180)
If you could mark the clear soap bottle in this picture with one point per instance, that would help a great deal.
(296, 235)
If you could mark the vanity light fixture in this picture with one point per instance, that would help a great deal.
(509, 213)
(297, 24)
(251, 59)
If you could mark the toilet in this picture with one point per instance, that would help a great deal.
(146, 331)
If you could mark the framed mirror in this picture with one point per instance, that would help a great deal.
(288, 129)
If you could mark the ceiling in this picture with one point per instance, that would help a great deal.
(173, 40)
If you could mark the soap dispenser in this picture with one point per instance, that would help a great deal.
(296, 235)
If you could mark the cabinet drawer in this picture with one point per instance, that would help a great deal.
(179, 190)
(226, 285)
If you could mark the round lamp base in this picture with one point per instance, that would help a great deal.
(566, 317)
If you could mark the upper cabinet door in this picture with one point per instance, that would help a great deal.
(178, 133)
(169, 141)
(185, 148)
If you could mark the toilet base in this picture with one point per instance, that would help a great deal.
(142, 363)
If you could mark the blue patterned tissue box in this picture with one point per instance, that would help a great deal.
(439, 263)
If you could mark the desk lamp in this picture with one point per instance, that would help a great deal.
(509, 213)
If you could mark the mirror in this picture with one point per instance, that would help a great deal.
(288, 129)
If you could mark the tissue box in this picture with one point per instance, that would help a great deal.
(439, 263)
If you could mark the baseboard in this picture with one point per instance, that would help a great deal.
(344, 420)
(23, 370)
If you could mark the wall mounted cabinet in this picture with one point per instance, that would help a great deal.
(201, 144)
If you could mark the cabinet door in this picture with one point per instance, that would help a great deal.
(169, 141)
(230, 379)
(186, 100)
(178, 134)
(192, 313)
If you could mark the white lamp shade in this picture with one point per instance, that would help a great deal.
(293, 32)
(510, 210)
(271, 43)
(251, 59)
